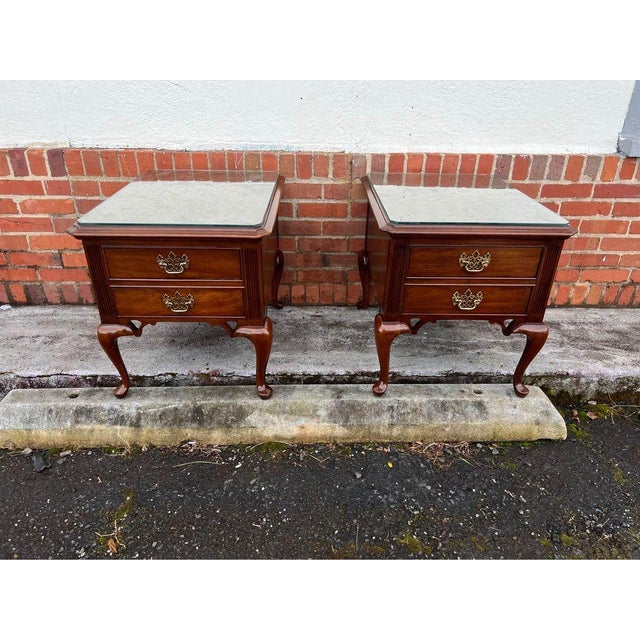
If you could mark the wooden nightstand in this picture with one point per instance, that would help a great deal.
(436, 253)
(186, 247)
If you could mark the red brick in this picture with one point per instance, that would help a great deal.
(592, 167)
(609, 169)
(62, 241)
(146, 162)
(610, 294)
(235, 160)
(628, 168)
(24, 224)
(4, 294)
(630, 260)
(287, 165)
(4, 163)
(354, 293)
(573, 171)
(21, 188)
(287, 244)
(181, 160)
(594, 259)
(289, 227)
(358, 166)
(343, 227)
(297, 294)
(16, 291)
(85, 188)
(56, 163)
(579, 293)
(448, 179)
(626, 293)
(562, 294)
(433, 163)
(33, 259)
(110, 163)
(581, 243)
(397, 163)
(312, 294)
(84, 206)
(320, 165)
(616, 191)
(592, 208)
(626, 209)
(531, 189)
(164, 160)
(73, 162)
(336, 191)
(48, 206)
(620, 244)
(109, 188)
(595, 293)
(59, 275)
(567, 275)
(299, 260)
(604, 227)
(302, 191)
(468, 163)
(128, 164)
(566, 191)
(322, 210)
(61, 224)
(269, 161)
(74, 259)
(328, 245)
(18, 162)
(503, 167)
(521, 167)
(37, 162)
(339, 294)
(3, 262)
(69, 293)
(465, 180)
(321, 275)
(359, 210)
(20, 275)
(415, 162)
(252, 161)
(604, 275)
(218, 161)
(485, 164)
(304, 166)
(85, 293)
(57, 187)
(51, 292)
(634, 228)
(92, 164)
(326, 294)
(13, 242)
(8, 206)
(199, 161)
(378, 163)
(450, 163)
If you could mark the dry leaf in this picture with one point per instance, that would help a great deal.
(111, 543)
(591, 415)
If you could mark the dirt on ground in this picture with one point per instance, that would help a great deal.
(574, 499)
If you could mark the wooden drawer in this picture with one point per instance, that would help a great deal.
(171, 302)
(486, 261)
(177, 262)
(476, 299)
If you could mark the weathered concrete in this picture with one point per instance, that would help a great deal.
(295, 414)
(589, 353)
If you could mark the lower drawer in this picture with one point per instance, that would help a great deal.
(456, 300)
(189, 301)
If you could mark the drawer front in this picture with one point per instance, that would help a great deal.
(485, 260)
(179, 302)
(461, 300)
(173, 262)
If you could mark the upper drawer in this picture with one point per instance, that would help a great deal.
(490, 261)
(173, 262)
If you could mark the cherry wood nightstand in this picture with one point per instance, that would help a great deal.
(436, 253)
(186, 247)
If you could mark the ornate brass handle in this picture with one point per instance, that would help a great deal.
(173, 264)
(475, 262)
(466, 301)
(178, 303)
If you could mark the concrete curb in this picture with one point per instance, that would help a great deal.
(295, 414)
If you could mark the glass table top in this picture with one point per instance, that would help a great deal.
(425, 202)
(188, 198)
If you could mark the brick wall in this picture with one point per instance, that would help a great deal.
(42, 191)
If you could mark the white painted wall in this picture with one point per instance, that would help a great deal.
(360, 116)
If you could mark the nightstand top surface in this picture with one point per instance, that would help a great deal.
(189, 203)
(418, 205)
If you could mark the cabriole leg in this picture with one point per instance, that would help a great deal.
(385, 334)
(536, 333)
(261, 337)
(108, 335)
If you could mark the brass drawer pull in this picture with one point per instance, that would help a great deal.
(178, 303)
(172, 264)
(466, 301)
(475, 262)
